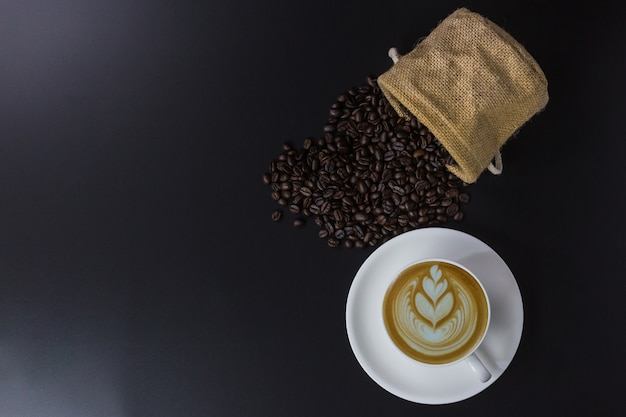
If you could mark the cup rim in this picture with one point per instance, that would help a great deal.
(484, 291)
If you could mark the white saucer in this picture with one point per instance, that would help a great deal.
(396, 372)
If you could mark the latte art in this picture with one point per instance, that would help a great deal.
(436, 312)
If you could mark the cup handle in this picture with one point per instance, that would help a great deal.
(478, 367)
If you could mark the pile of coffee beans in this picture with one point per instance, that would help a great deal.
(372, 176)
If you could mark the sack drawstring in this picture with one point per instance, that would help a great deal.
(495, 167)
(394, 55)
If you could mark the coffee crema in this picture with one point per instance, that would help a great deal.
(436, 312)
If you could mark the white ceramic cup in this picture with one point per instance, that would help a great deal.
(437, 312)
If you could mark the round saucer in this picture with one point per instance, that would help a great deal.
(385, 363)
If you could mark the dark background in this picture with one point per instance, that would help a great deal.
(140, 271)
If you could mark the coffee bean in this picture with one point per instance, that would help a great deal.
(421, 186)
(347, 201)
(299, 222)
(338, 215)
(362, 187)
(464, 198)
(325, 207)
(452, 209)
(398, 146)
(398, 190)
(360, 217)
(277, 215)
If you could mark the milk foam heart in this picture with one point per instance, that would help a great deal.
(436, 312)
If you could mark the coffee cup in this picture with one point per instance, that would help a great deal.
(437, 312)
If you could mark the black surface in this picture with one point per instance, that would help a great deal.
(141, 273)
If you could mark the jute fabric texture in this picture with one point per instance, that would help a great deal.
(471, 84)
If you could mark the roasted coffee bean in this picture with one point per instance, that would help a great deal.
(299, 222)
(397, 189)
(277, 215)
(421, 186)
(361, 187)
(418, 153)
(397, 146)
(340, 234)
(347, 201)
(389, 155)
(338, 215)
(360, 217)
(452, 209)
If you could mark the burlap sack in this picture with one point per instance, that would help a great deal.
(472, 84)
